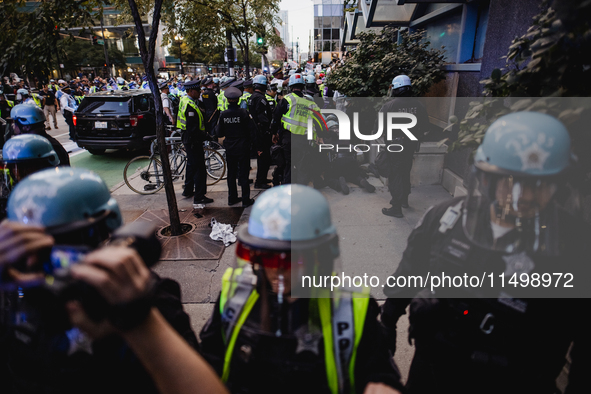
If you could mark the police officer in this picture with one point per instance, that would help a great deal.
(216, 85)
(210, 103)
(493, 338)
(311, 89)
(262, 337)
(166, 103)
(400, 163)
(261, 114)
(248, 90)
(271, 96)
(70, 212)
(290, 124)
(236, 125)
(23, 155)
(222, 102)
(239, 84)
(190, 121)
(30, 119)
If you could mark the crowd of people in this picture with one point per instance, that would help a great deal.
(82, 311)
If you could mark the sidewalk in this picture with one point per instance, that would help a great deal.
(369, 241)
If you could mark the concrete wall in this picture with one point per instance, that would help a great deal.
(507, 19)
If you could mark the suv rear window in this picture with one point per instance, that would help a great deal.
(102, 106)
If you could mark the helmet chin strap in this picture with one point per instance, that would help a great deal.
(280, 290)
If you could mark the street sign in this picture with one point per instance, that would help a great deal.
(100, 42)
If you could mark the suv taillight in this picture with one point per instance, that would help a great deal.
(74, 118)
(135, 119)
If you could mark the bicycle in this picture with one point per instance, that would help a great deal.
(144, 174)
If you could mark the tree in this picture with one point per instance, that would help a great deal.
(380, 57)
(210, 21)
(30, 33)
(78, 53)
(147, 55)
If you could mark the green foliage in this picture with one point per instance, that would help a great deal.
(30, 32)
(208, 21)
(349, 6)
(78, 53)
(551, 60)
(379, 58)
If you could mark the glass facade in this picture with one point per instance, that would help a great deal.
(328, 23)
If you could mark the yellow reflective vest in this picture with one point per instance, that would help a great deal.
(326, 307)
(222, 102)
(181, 122)
(295, 120)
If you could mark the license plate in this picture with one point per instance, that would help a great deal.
(100, 125)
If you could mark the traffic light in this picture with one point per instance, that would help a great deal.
(260, 40)
(94, 40)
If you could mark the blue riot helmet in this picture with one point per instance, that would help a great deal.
(260, 83)
(26, 154)
(401, 86)
(295, 80)
(27, 118)
(289, 235)
(73, 204)
(518, 168)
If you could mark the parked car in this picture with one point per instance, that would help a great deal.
(117, 119)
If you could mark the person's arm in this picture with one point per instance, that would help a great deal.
(121, 277)
(374, 366)
(219, 130)
(175, 367)
(415, 261)
(261, 109)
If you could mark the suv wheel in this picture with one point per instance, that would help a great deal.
(96, 151)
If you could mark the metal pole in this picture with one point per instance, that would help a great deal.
(105, 46)
(230, 53)
(181, 56)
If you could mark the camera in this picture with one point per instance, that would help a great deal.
(41, 302)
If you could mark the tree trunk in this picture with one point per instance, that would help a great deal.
(246, 59)
(148, 60)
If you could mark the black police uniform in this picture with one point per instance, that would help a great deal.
(210, 102)
(401, 163)
(496, 343)
(193, 138)
(265, 363)
(258, 107)
(304, 158)
(237, 126)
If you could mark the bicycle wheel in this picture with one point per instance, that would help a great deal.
(215, 165)
(178, 161)
(143, 175)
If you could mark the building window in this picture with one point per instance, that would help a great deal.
(317, 10)
(445, 31)
(318, 46)
(336, 34)
(336, 22)
(326, 34)
(326, 46)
